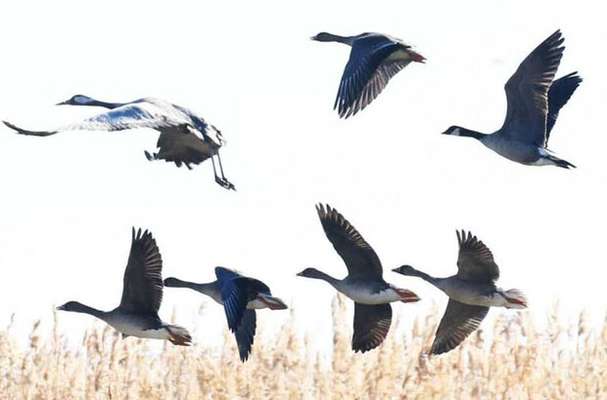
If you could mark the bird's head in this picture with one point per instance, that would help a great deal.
(323, 37)
(77, 100)
(70, 306)
(311, 273)
(405, 270)
(454, 131)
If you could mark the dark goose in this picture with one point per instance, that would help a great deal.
(374, 59)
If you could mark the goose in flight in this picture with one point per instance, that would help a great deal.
(534, 102)
(471, 292)
(364, 283)
(184, 137)
(240, 297)
(137, 314)
(374, 59)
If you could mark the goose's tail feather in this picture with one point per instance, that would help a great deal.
(515, 298)
(29, 133)
(560, 162)
(179, 336)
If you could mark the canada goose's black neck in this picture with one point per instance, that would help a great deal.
(470, 133)
(329, 37)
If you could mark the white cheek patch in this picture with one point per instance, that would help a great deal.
(456, 132)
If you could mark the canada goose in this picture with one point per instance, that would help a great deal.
(240, 297)
(364, 283)
(184, 137)
(137, 314)
(534, 101)
(374, 59)
(471, 292)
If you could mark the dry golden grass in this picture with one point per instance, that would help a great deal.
(521, 362)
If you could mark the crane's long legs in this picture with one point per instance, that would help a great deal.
(222, 181)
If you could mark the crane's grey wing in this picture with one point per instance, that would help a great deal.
(245, 334)
(142, 290)
(359, 257)
(475, 262)
(458, 322)
(527, 92)
(130, 116)
(558, 95)
(371, 325)
(367, 73)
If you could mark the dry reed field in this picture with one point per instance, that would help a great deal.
(518, 362)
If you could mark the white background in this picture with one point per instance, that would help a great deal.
(69, 201)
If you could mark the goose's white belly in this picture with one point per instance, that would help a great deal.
(366, 296)
(130, 330)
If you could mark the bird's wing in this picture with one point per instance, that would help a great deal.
(475, 261)
(245, 334)
(527, 92)
(140, 114)
(132, 116)
(367, 73)
(558, 95)
(459, 321)
(371, 325)
(359, 257)
(236, 292)
(142, 290)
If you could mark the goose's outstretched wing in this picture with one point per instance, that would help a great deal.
(245, 334)
(558, 95)
(373, 61)
(236, 292)
(527, 92)
(359, 257)
(371, 325)
(142, 290)
(475, 261)
(459, 321)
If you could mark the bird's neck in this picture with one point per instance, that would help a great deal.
(329, 37)
(325, 277)
(470, 133)
(428, 278)
(83, 308)
(104, 104)
(210, 289)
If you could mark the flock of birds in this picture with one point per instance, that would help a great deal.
(534, 100)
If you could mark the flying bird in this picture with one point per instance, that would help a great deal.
(364, 283)
(185, 138)
(471, 292)
(137, 314)
(534, 102)
(374, 59)
(240, 297)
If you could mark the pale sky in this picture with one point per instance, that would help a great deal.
(249, 68)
